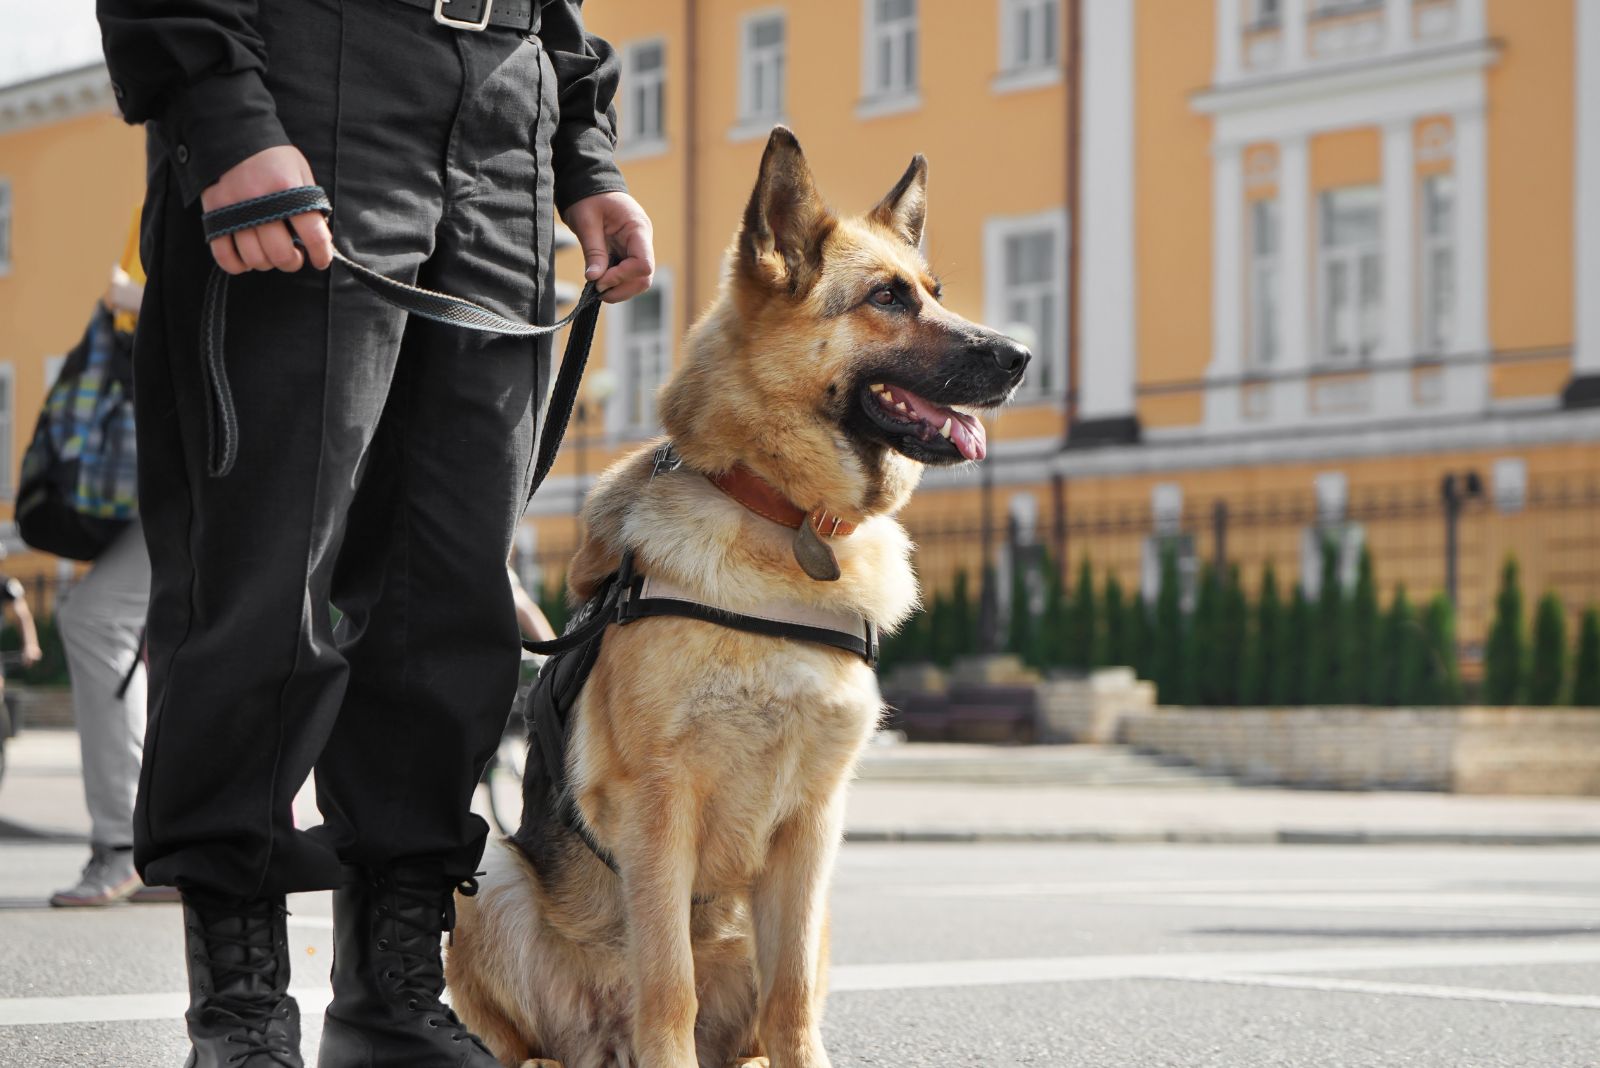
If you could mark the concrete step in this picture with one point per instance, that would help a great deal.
(1078, 765)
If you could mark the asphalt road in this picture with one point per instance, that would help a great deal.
(1105, 956)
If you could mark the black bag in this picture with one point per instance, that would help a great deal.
(79, 484)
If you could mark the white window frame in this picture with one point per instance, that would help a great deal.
(1437, 341)
(997, 231)
(1266, 277)
(621, 361)
(7, 227)
(879, 99)
(1020, 54)
(753, 59)
(8, 420)
(1355, 259)
(636, 139)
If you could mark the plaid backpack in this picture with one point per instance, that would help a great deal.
(78, 488)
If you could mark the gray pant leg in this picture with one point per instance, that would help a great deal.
(100, 621)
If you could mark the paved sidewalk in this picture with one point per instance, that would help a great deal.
(42, 797)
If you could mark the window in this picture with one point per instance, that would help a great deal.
(1265, 240)
(5, 227)
(644, 71)
(640, 354)
(762, 69)
(1027, 295)
(1351, 274)
(1265, 14)
(1438, 263)
(1030, 32)
(891, 48)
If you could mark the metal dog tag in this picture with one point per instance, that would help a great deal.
(813, 554)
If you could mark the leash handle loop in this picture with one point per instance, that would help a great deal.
(444, 308)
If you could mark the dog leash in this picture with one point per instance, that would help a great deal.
(222, 418)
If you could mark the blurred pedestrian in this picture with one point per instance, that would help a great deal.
(382, 462)
(101, 622)
(15, 597)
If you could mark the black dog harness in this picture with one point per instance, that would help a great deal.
(623, 598)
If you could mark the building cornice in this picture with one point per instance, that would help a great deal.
(1280, 89)
(55, 98)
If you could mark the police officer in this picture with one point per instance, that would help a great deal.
(382, 466)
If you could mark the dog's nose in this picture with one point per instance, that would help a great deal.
(1009, 356)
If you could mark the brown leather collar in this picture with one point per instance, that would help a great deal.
(765, 500)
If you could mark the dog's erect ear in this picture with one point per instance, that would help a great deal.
(905, 208)
(786, 221)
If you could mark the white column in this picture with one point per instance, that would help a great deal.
(1586, 343)
(1294, 34)
(1227, 278)
(1467, 385)
(1392, 391)
(1397, 25)
(1296, 330)
(1472, 22)
(1228, 36)
(1106, 358)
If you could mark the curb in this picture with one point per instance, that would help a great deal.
(1280, 836)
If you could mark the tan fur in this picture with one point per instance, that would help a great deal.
(712, 763)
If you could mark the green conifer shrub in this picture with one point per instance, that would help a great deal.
(1547, 677)
(1114, 647)
(1361, 632)
(1586, 669)
(1166, 657)
(1291, 659)
(1505, 655)
(1441, 684)
(1255, 677)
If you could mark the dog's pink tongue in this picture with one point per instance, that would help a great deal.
(968, 435)
(966, 432)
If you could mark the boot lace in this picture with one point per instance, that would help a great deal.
(245, 991)
(420, 921)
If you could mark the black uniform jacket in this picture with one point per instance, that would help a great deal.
(194, 67)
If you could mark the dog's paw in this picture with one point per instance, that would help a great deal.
(750, 1062)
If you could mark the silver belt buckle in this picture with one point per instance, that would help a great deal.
(461, 24)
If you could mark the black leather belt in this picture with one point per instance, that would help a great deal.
(520, 15)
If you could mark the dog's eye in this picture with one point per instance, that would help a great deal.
(883, 297)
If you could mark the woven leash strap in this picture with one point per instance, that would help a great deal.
(223, 419)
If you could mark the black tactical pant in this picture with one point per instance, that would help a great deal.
(383, 464)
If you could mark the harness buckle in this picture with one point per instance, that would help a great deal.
(462, 24)
(872, 644)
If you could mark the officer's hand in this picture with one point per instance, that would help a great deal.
(269, 246)
(31, 655)
(608, 223)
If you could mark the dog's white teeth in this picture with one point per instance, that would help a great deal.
(902, 406)
(879, 388)
(944, 431)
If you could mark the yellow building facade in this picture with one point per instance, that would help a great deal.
(1285, 264)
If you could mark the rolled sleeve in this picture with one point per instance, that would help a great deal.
(193, 70)
(587, 76)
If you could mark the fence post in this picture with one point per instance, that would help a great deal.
(1219, 536)
(988, 608)
(1455, 490)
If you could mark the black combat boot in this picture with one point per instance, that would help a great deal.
(240, 1012)
(388, 975)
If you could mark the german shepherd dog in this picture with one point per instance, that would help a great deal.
(711, 763)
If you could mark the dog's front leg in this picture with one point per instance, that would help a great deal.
(790, 905)
(658, 869)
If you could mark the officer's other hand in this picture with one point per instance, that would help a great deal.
(269, 246)
(31, 655)
(608, 224)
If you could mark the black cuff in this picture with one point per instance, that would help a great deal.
(584, 167)
(215, 124)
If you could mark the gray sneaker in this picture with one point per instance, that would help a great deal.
(107, 878)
